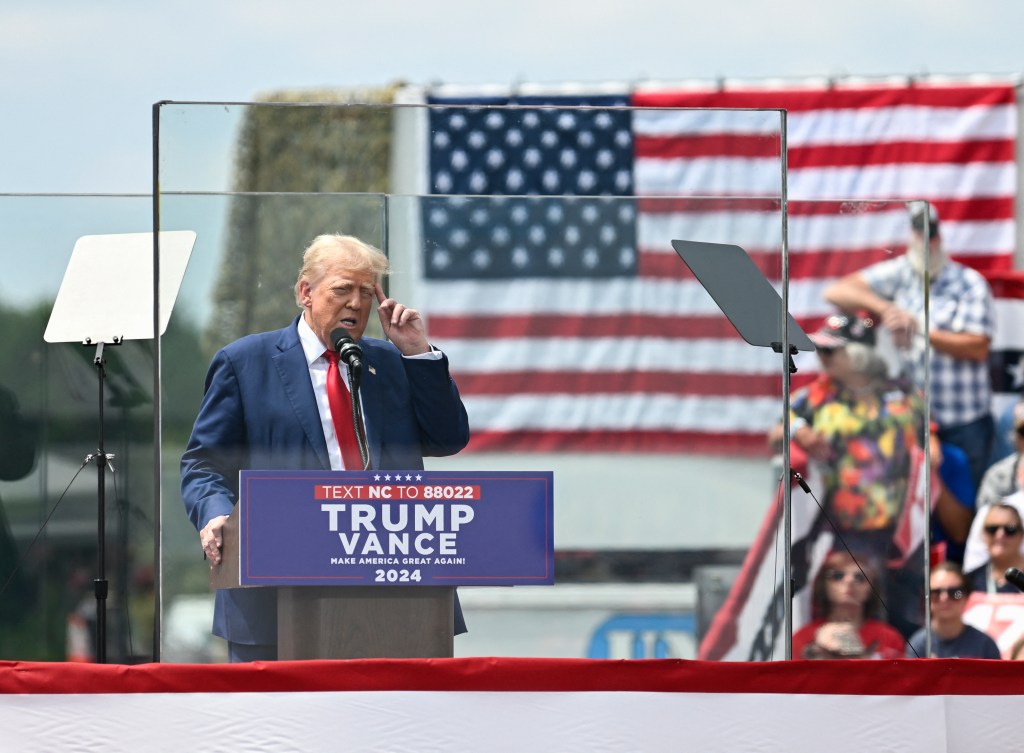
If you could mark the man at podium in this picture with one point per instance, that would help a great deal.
(280, 401)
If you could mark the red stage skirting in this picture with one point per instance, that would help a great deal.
(925, 705)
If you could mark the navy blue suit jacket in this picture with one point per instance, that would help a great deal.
(259, 412)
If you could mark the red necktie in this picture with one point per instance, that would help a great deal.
(340, 400)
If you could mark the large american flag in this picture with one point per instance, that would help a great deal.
(571, 323)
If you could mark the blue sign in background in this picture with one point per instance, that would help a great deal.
(497, 528)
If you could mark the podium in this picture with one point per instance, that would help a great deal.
(354, 583)
(350, 622)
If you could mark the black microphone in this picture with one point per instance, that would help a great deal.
(1016, 577)
(348, 350)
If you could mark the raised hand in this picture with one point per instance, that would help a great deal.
(403, 326)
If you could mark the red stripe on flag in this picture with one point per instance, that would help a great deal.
(714, 326)
(747, 445)
(734, 146)
(837, 98)
(975, 208)
(987, 264)
(803, 265)
(588, 326)
(1007, 284)
(620, 382)
(702, 145)
(900, 152)
(695, 205)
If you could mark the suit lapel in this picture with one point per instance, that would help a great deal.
(291, 366)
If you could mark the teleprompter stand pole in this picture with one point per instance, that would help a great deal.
(762, 318)
(102, 462)
(117, 287)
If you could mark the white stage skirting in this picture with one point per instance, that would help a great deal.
(927, 705)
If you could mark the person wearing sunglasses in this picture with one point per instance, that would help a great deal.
(846, 590)
(1003, 536)
(951, 637)
(858, 427)
(268, 404)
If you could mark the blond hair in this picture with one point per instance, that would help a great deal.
(358, 255)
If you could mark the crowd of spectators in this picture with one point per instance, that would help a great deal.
(863, 432)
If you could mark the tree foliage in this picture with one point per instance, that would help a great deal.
(307, 163)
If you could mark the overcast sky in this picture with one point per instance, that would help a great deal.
(78, 79)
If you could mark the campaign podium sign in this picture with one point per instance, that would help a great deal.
(379, 552)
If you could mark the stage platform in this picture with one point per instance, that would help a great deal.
(492, 704)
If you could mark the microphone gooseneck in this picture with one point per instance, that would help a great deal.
(351, 354)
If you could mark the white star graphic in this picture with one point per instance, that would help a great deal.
(1016, 373)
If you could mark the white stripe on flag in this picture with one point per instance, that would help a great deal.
(758, 230)
(904, 181)
(540, 297)
(623, 413)
(708, 176)
(902, 123)
(610, 354)
(673, 122)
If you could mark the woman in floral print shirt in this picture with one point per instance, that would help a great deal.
(862, 430)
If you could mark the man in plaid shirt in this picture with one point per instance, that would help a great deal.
(960, 327)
